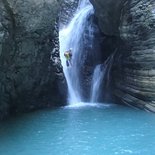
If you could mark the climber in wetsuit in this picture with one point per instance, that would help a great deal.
(68, 56)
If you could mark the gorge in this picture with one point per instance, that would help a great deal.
(97, 105)
(118, 29)
(128, 28)
(132, 73)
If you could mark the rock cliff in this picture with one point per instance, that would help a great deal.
(133, 70)
(30, 67)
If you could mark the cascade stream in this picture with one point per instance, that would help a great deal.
(97, 79)
(71, 38)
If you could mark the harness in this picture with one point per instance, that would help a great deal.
(67, 56)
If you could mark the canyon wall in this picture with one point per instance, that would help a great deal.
(132, 76)
(30, 68)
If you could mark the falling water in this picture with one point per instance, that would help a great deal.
(101, 78)
(96, 81)
(70, 37)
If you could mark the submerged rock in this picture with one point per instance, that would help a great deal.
(133, 69)
(30, 68)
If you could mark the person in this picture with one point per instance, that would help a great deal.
(68, 56)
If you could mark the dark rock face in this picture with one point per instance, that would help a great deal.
(133, 68)
(30, 67)
(108, 12)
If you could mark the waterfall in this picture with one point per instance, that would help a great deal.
(101, 77)
(97, 79)
(70, 37)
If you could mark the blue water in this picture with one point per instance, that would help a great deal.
(90, 130)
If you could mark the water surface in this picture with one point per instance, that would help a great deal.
(85, 130)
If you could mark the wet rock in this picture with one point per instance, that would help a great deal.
(30, 68)
(132, 73)
(91, 40)
(108, 13)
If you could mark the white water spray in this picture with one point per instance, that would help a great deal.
(70, 37)
(101, 73)
(96, 81)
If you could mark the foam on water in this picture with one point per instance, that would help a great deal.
(84, 104)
